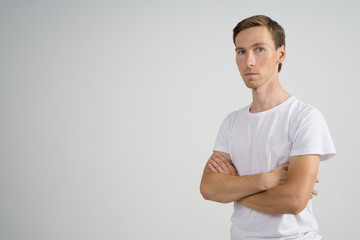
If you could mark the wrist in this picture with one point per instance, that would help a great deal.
(265, 181)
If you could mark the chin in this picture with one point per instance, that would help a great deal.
(251, 84)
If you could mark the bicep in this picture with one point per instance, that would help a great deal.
(302, 173)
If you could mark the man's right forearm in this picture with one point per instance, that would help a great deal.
(225, 188)
(221, 182)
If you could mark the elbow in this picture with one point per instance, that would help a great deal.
(296, 205)
(209, 194)
(205, 192)
(295, 209)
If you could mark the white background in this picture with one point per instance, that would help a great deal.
(109, 111)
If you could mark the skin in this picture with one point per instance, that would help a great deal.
(291, 192)
(257, 61)
(222, 183)
(287, 188)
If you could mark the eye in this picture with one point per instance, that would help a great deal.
(241, 52)
(259, 49)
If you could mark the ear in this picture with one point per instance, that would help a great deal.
(281, 53)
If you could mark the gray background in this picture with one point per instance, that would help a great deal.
(110, 109)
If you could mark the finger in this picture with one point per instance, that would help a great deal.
(225, 168)
(212, 168)
(232, 169)
(225, 164)
(223, 159)
(216, 165)
(219, 155)
(222, 164)
(314, 192)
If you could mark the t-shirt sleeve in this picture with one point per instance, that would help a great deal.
(312, 136)
(222, 139)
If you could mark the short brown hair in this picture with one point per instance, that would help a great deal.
(276, 31)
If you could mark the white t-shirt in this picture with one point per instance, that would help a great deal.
(259, 142)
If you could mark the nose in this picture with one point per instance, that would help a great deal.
(250, 60)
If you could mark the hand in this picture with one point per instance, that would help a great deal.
(314, 192)
(218, 163)
(278, 176)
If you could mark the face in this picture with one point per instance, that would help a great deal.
(256, 56)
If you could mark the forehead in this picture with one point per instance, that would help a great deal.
(248, 37)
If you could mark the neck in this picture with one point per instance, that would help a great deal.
(268, 96)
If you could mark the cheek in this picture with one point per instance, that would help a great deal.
(260, 61)
(268, 61)
(239, 62)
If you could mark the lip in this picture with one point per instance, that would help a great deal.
(251, 74)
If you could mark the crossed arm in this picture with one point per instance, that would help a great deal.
(284, 190)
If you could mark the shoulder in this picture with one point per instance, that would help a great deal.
(300, 110)
(236, 115)
(309, 133)
(306, 120)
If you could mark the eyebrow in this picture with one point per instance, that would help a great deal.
(254, 45)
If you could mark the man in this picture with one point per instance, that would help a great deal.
(266, 156)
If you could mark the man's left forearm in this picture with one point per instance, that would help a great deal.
(275, 201)
(293, 196)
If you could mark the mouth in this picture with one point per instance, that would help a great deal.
(250, 74)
